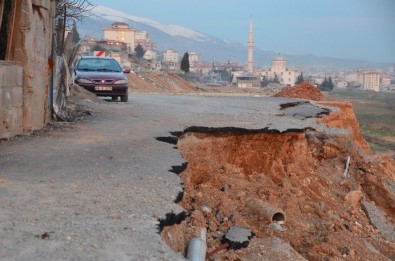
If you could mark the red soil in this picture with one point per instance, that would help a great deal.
(301, 91)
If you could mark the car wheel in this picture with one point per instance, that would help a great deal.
(114, 98)
(124, 98)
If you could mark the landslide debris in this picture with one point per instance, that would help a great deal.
(329, 216)
(302, 91)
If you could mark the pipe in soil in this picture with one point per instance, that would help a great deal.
(197, 247)
(266, 210)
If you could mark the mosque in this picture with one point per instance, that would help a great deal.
(278, 70)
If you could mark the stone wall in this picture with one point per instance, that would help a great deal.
(24, 78)
(11, 83)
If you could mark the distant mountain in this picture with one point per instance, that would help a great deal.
(209, 47)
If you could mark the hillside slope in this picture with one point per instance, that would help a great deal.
(159, 82)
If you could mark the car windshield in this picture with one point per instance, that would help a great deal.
(101, 65)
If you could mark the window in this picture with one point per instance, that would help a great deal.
(9, 16)
(5, 13)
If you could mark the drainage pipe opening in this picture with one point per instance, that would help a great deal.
(264, 209)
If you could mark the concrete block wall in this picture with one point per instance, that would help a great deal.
(11, 100)
(24, 78)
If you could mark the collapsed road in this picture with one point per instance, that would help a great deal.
(100, 188)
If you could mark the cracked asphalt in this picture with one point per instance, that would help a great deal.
(95, 189)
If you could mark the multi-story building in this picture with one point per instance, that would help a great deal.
(113, 45)
(354, 78)
(386, 81)
(371, 81)
(171, 56)
(121, 32)
(280, 71)
(194, 58)
(142, 38)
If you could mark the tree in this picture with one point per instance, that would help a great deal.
(323, 85)
(327, 84)
(275, 79)
(66, 13)
(225, 75)
(265, 82)
(97, 47)
(139, 50)
(185, 63)
(300, 79)
(72, 10)
(75, 34)
(330, 84)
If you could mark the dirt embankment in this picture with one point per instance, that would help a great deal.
(167, 82)
(330, 213)
(159, 82)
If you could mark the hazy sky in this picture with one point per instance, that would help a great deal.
(363, 29)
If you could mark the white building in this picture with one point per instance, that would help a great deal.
(193, 58)
(121, 32)
(150, 54)
(341, 84)
(356, 77)
(371, 81)
(140, 38)
(279, 69)
(171, 56)
(385, 81)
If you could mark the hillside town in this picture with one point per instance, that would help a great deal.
(120, 42)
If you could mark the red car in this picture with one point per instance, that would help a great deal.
(102, 76)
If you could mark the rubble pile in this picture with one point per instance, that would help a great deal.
(273, 88)
(302, 91)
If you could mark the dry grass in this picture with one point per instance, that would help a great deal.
(375, 112)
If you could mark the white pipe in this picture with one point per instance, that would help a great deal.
(197, 247)
(345, 174)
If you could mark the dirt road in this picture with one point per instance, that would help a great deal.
(95, 189)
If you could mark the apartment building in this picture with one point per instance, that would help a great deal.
(171, 56)
(194, 58)
(120, 31)
(141, 38)
(371, 81)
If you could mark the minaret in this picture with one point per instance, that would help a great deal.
(251, 49)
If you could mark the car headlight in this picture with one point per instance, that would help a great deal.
(121, 82)
(84, 81)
